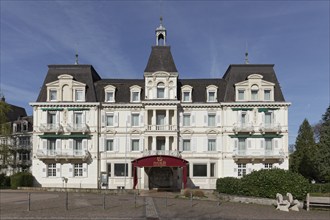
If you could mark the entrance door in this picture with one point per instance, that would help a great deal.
(161, 177)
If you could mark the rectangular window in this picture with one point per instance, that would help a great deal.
(211, 120)
(135, 145)
(51, 147)
(78, 169)
(109, 97)
(135, 119)
(268, 143)
(186, 120)
(268, 166)
(241, 145)
(78, 118)
(52, 95)
(109, 120)
(51, 169)
(186, 145)
(135, 96)
(186, 96)
(241, 94)
(241, 169)
(243, 119)
(268, 119)
(109, 145)
(200, 170)
(77, 147)
(212, 169)
(211, 146)
(51, 118)
(211, 96)
(160, 93)
(254, 95)
(79, 95)
(267, 95)
(121, 169)
(160, 144)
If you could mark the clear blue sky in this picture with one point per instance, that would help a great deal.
(205, 37)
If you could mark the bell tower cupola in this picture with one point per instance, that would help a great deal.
(161, 34)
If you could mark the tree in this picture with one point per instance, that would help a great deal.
(5, 151)
(303, 159)
(323, 152)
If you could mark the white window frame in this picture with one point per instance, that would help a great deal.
(160, 87)
(135, 90)
(267, 97)
(122, 174)
(109, 147)
(268, 166)
(241, 94)
(211, 144)
(51, 170)
(209, 122)
(186, 145)
(135, 144)
(135, 119)
(186, 120)
(255, 92)
(212, 89)
(82, 94)
(51, 95)
(241, 169)
(78, 170)
(106, 120)
(109, 90)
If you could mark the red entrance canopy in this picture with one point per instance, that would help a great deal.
(160, 161)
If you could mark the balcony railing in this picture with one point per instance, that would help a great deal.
(162, 152)
(259, 153)
(83, 128)
(246, 127)
(63, 153)
(24, 162)
(57, 128)
(275, 128)
(161, 128)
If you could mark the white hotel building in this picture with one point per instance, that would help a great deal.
(159, 131)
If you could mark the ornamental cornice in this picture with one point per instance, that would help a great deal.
(256, 104)
(64, 105)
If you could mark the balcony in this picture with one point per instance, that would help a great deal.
(22, 146)
(258, 154)
(243, 128)
(24, 162)
(270, 128)
(63, 154)
(53, 128)
(174, 153)
(78, 128)
(161, 128)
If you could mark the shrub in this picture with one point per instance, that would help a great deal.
(4, 181)
(320, 188)
(266, 183)
(229, 185)
(21, 179)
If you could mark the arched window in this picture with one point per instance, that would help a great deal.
(160, 90)
(254, 93)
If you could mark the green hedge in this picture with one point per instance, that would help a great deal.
(21, 179)
(320, 188)
(4, 181)
(266, 184)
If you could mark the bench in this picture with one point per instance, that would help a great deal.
(317, 201)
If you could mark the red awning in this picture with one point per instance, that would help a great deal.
(160, 161)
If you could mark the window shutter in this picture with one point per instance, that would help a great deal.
(44, 171)
(181, 119)
(194, 144)
(192, 119)
(70, 117)
(71, 170)
(141, 144)
(263, 118)
(128, 121)
(235, 143)
(249, 144)
(58, 146)
(116, 119)
(70, 144)
(102, 118)
(84, 144)
(44, 144)
(276, 143)
(205, 144)
(205, 119)
(58, 170)
(102, 144)
(83, 119)
(262, 144)
(57, 117)
(218, 120)
(180, 144)
(141, 119)
(117, 144)
(85, 169)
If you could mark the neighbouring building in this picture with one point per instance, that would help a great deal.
(15, 141)
(159, 131)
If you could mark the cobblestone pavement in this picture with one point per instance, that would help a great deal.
(52, 205)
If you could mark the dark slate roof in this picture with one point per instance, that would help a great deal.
(15, 112)
(82, 73)
(239, 72)
(122, 94)
(199, 92)
(160, 59)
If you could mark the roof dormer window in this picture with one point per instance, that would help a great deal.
(254, 93)
(109, 93)
(52, 95)
(212, 93)
(186, 93)
(135, 93)
(79, 95)
(160, 90)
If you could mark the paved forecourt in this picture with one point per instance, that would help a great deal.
(52, 205)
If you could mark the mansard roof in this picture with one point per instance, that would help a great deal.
(122, 93)
(15, 112)
(160, 59)
(81, 73)
(239, 72)
(199, 90)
